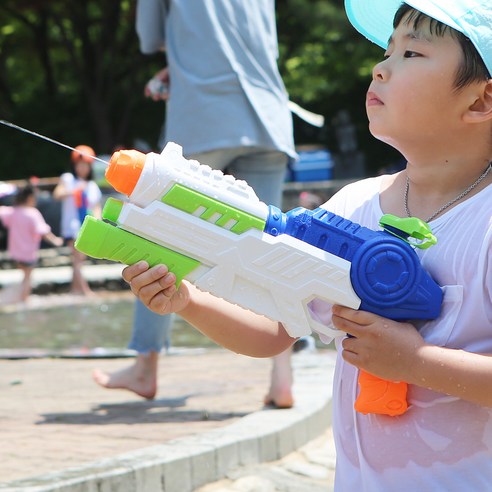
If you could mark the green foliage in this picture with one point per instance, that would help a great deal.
(72, 70)
(327, 67)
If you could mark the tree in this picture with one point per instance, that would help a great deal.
(71, 70)
(327, 66)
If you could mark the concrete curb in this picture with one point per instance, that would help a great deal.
(183, 465)
(62, 274)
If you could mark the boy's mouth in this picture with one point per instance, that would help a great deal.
(373, 100)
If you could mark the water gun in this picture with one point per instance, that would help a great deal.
(213, 231)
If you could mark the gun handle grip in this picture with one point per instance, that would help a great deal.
(381, 397)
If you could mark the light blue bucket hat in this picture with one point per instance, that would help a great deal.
(473, 18)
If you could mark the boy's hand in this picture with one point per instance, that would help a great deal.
(156, 287)
(380, 346)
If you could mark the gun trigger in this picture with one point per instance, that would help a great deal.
(412, 230)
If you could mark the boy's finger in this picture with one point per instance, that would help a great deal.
(131, 271)
(354, 315)
(346, 325)
(152, 276)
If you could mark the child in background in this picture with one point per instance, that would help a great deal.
(26, 227)
(431, 99)
(80, 196)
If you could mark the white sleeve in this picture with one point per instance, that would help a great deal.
(151, 25)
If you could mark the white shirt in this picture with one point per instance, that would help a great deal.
(70, 220)
(441, 443)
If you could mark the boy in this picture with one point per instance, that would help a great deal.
(431, 99)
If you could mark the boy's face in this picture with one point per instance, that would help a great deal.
(412, 97)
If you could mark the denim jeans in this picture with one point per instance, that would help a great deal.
(150, 331)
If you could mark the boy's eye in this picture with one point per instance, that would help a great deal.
(411, 54)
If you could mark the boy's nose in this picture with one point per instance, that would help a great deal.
(380, 72)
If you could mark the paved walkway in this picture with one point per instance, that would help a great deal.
(207, 430)
(208, 420)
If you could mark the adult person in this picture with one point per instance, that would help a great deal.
(227, 107)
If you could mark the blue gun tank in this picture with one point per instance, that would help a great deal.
(385, 271)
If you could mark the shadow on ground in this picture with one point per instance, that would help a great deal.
(146, 412)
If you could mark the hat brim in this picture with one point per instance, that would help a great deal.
(374, 18)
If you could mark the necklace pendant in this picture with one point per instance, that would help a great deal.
(451, 202)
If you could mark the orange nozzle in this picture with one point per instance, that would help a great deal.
(124, 170)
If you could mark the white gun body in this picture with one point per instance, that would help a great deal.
(266, 274)
(275, 276)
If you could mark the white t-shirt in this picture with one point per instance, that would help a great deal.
(70, 217)
(441, 443)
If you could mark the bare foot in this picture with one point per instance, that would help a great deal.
(281, 399)
(140, 378)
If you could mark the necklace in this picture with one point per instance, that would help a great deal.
(451, 202)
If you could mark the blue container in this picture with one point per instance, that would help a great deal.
(313, 165)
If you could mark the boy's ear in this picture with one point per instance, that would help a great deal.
(481, 108)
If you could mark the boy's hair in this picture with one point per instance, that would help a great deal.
(472, 69)
(23, 194)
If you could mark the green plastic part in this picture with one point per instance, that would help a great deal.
(112, 209)
(409, 227)
(189, 201)
(102, 240)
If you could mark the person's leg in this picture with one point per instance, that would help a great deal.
(150, 333)
(26, 282)
(79, 283)
(265, 172)
(280, 392)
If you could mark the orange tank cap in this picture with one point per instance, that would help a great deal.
(124, 170)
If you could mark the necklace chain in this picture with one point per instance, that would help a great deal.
(451, 202)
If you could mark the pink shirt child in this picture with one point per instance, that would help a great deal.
(26, 228)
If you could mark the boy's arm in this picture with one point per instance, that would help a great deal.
(397, 352)
(229, 325)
